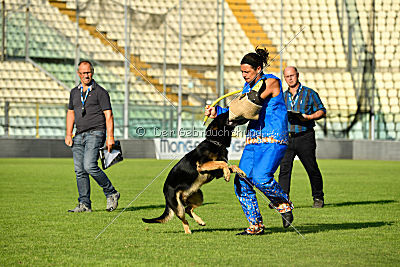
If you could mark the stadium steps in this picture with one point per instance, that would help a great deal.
(204, 81)
(253, 30)
(141, 66)
(34, 86)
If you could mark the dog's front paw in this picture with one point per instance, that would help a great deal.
(242, 173)
(199, 169)
(236, 169)
(227, 174)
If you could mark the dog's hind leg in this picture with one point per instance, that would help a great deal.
(189, 210)
(193, 201)
(180, 213)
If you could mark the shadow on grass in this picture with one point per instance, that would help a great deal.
(307, 228)
(133, 208)
(351, 203)
(324, 227)
(147, 207)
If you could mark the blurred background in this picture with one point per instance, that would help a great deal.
(182, 55)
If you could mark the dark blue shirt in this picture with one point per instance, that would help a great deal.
(305, 101)
(96, 103)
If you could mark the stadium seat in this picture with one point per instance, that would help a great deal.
(319, 49)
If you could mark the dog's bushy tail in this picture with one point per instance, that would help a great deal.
(165, 217)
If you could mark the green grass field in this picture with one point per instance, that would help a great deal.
(359, 225)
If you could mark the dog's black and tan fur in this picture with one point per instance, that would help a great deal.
(207, 161)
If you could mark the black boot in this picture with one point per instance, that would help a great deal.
(318, 203)
(287, 219)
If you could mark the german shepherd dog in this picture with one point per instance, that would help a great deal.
(207, 161)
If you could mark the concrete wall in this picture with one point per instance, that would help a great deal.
(55, 148)
(383, 150)
(334, 149)
(34, 148)
(137, 148)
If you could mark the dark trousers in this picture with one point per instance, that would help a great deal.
(304, 147)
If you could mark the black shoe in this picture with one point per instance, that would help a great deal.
(287, 219)
(318, 203)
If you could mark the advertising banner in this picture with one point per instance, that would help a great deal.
(176, 148)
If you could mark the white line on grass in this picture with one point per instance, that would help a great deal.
(130, 63)
(266, 199)
(116, 217)
(301, 29)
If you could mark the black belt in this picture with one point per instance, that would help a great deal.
(293, 134)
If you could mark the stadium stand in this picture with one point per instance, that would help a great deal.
(387, 47)
(321, 52)
(22, 82)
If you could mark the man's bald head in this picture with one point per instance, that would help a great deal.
(291, 76)
(290, 68)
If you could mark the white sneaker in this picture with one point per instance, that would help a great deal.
(81, 208)
(112, 201)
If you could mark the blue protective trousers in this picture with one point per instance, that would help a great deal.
(259, 162)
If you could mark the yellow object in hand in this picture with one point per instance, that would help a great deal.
(219, 99)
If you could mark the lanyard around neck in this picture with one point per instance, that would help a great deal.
(83, 99)
(293, 99)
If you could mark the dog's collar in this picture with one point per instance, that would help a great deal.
(215, 142)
